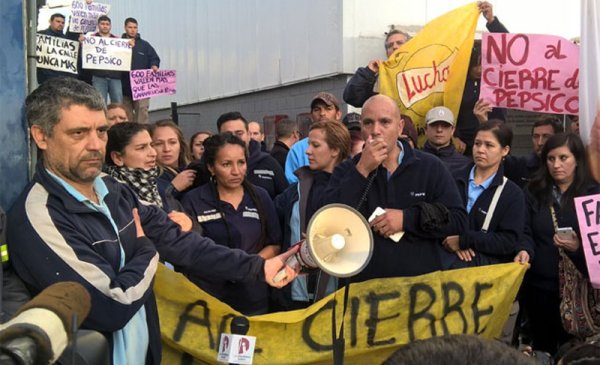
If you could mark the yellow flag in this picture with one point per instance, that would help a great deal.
(382, 315)
(430, 70)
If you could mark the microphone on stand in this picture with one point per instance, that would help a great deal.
(237, 348)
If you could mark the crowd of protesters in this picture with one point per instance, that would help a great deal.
(462, 200)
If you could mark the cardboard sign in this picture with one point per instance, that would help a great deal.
(588, 216)
(539, 73)
(147, 83)
(104, 53)
(56, 53)
(85, 16)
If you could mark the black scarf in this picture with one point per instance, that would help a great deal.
(143, 182)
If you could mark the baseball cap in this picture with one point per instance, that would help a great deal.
(328, 98)
(439, 114)
(352, 121)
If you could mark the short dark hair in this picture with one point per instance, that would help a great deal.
(103, 18)
(285, 128)
(226, 117)
(44, 105)
(458, 349)
(499, 129)
(556, 124)
(130, 20)
(56, 15)
(119, 136)
(395, 31)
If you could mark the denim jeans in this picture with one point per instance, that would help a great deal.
(107, 86)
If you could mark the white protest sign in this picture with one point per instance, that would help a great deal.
(104, 53)
(85, 16)
(56, 53)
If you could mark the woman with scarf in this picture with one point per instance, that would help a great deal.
(131, 159)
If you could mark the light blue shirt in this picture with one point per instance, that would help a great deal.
(400, 158)
(296, 158)
(475, 190)
(130, 343)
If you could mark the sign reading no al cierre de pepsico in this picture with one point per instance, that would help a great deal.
(531, 72)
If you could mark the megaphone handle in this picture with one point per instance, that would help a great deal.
(292, 262)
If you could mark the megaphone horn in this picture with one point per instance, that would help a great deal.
(338, 241)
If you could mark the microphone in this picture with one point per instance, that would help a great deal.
(237, 348)
(43, 327)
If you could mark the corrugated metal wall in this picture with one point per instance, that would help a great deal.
(232, 47)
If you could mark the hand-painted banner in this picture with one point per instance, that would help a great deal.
(430, 70)
(588, 216)
(56, 53)
(538, 73)
(147, 83)
(383, 314)
(85, 16)
(104, 53)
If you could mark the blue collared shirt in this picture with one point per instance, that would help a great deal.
(476, 190)
(132, 340)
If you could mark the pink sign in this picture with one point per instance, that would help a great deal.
(588, 216)
(531, 72)
(147, 83)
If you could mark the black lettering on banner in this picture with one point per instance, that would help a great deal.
(453, 287)
(414, 316)
(477, 312)
(354, 306)
(186, 359)
(589, 213)
(371, 323)
(308, 340)
(186, 317)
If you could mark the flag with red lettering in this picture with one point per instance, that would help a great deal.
(430, 70)
(533, 72)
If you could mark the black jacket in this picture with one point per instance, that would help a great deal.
(279, 152)
(452, 159)
(265, 171)
(505, 235)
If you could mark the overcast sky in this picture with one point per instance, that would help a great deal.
(556, 17)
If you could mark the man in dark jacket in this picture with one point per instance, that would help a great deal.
(263, 170)
(439, 131)
(287, 134)
(107, 82)
(415, 190)
(143, 57)
(71, 224)
(56, 29)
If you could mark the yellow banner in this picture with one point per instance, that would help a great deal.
(430, 70)
(382, 315)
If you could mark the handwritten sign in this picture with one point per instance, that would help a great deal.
(147, 83)
(588, 216)
(538, 73)
(56, 53)
(85, 16)
(104, 53)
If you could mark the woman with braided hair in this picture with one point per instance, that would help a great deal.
(236, 214)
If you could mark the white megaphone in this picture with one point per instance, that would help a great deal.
(338, 241)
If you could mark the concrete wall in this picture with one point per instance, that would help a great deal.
(13, 134)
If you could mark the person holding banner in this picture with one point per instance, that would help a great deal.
(56, 29)
(143, 57)
(466, 120)
(563, 176)
(107, 82)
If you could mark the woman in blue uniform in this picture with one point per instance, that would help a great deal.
(236, 214)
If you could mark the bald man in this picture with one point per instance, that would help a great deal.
(414, 188)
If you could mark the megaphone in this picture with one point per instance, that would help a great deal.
(338, 241)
